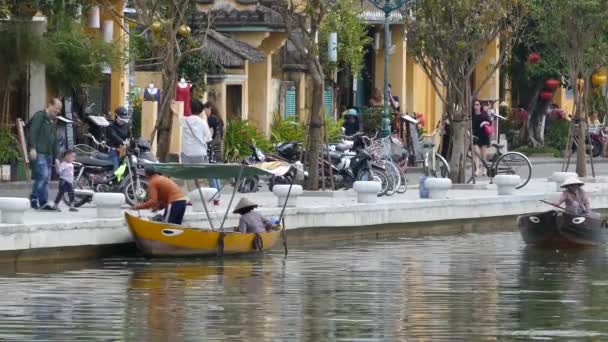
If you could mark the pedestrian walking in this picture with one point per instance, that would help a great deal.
(43, 151)
(216, 124)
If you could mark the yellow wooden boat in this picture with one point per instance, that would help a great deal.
(164, 239)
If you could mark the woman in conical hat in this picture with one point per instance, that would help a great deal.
(251, 221)
(574, 197)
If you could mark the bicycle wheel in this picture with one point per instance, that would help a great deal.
(441, 168)
(375, 175)
(393, 172)
(514, 163)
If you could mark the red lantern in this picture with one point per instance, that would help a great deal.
(552, 84)
(546, 95)
(533, 58)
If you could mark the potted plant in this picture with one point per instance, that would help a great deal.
(9, 153)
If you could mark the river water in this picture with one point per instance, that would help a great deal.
(472, 287)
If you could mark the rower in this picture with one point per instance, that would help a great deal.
(575, 198)
(251, 221)
(163, 193)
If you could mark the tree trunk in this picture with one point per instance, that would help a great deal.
(459, 149)
(581, 158)
(164, 121)
(315, 139)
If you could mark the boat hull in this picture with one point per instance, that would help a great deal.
(561, 230)
(166, 240)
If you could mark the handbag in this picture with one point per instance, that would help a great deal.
(488, 129)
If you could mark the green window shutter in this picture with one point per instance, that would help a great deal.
(290, 103)
(328, 102)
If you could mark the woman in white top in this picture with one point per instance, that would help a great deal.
(195, 136)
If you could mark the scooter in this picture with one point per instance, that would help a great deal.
(283, 171)
(97, 175)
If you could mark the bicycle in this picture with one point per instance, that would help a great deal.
(504, 164)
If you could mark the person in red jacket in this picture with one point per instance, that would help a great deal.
(163, 193)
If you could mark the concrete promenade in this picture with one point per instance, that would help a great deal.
(334, 214)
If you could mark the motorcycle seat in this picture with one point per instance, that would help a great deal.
(342, 147)
(335, 157)
(93, 162)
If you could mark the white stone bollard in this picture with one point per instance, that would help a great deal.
(506, 184)
(13, 209)
(108, 204)
(281, 190)
(438, 187)
(560, 177)
(195, 198)
(367, 191)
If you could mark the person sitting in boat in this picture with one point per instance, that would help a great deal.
(163, 193)
(575, 198)
(251, 221)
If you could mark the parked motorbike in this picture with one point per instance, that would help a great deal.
(94, 172)
(356, 164)
(283, 171)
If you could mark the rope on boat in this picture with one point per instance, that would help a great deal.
(258, 243)
(220, 244)
(239, 180)
(200, 192)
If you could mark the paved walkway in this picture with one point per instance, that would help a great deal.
(324, 200)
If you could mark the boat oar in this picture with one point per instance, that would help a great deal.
(281, 217)
(553, 205)
(562, 208)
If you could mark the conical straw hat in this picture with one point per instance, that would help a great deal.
(244, 203)
(572, 181)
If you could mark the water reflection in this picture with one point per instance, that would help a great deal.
(563, 294)
(459, 288)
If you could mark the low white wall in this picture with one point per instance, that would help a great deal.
(114, 231)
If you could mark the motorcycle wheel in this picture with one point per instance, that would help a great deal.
(249, 184)
(134, 196)
(79, 201)
(279, 180)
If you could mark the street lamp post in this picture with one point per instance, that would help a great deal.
(387, 7)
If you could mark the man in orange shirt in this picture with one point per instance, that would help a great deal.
(163, 193)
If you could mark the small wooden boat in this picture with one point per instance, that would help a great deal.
(555, 229)
(163, 239)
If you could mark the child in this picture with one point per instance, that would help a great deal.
(66, 178)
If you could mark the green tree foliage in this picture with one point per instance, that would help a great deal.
(448, 40)
(578, 30)
(195, 66)
(345, 20)
(77, 58)
(239, 137)
(286, 129)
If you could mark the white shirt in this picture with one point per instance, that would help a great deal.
(195, 136)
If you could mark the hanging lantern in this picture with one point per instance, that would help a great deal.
(184, 30)
(332, 47)
(546, 95)
(156, 26)
(107, 31)
(552, 84)
(533, 58)
(93, 17)
(599, 79)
